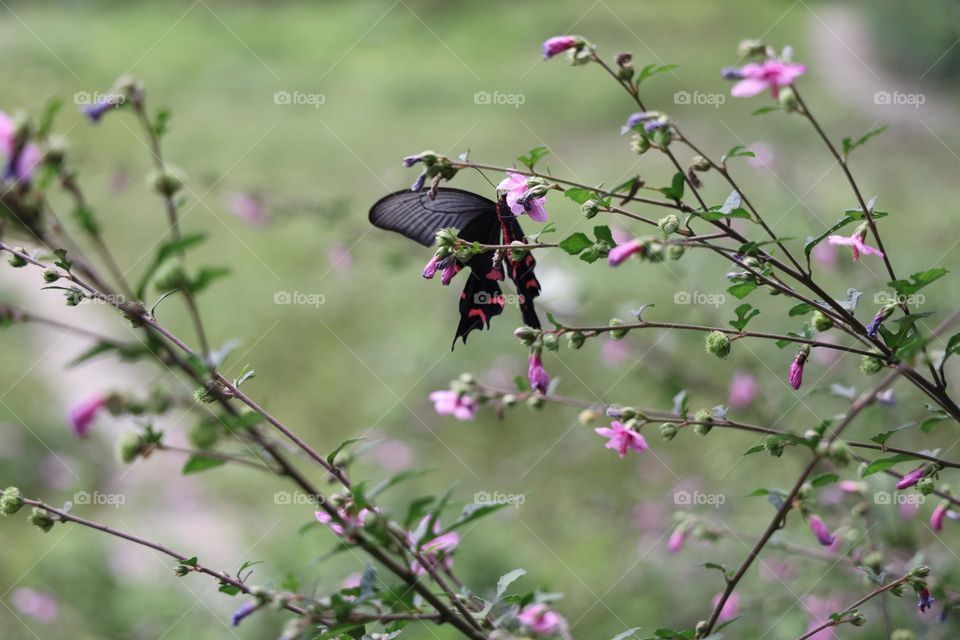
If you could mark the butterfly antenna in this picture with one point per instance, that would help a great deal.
(485, 177)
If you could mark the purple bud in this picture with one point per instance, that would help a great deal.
(430, 269)
(95, 111)
(653, 125)
(420, 182)
(731, 73)
(634, 120)
(242, 612)
(820, 530)
(924, 600)
(911, 478)
(409, 161)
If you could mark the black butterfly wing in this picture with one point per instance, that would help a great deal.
(522, 271)
(416, 216)
(481, 298)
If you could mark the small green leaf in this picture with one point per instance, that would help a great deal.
(917, 281)
(340, 447)
(737, 152)
(675, 190)
(824, 479)
(603, 234)
(882, 464)
(745, 312)
(742, 289)
(849, 144)
(199, 462)
(651, 70)
(579, 195)
(801, 309)
(576, 243)
(530, 160)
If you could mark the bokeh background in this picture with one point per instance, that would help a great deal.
(394, 78)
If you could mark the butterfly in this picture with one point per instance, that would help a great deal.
(418, 216)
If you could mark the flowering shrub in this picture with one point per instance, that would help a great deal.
(411, 577)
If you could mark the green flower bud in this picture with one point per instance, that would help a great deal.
(926, 486)
(204, 435)
(74, 297)
(717, 343)
(701, 629)
(590, 208)
(874, 560)
(15, 260)
(675, 251)
(858, 619)
(535, 401)
(446, 238)
(788, 100)
(812, 436)
(205, 394)
(526, 335)
(654, 252)
(551, 342)
(587, 416)
(40, 518)
(669, 224)
(508, 400)
(920, 571)
(172, 279)
(11, 501)
(167, 182)
(751, 47)
(639, 144)
(668, 430)
(575, 339)
(839, 453)
(773, 445)
(704, 422)
(898, 590)
(50, 276)
(870, 365)
(662, 137)
(821, 321)
(617, 334)
(902, 634)
(517, 255)
(700, 163)
(130, 446)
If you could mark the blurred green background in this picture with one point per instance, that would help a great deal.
(396, 78)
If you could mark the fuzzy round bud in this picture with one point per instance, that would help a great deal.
(15, 260)
(871, 365)
(204, 435)
(526, 335)
(639, 144)
(773, 445)
(590, 208)
(551, 342)
(821, 321)
(166, 182)
(11, 501)
(788, 100)
(669, 224)
(839, 453)
(41, 519)
(902, 634)
(617, 334)
(50, 276)
(535, 401)
(668, 431)
(676, 251)
(751, 47)
(858, 619)
(587, 416)
(508, 400)
(700, 163)
(717, 343)
(926, 486)
(874, 560)
(575, 339)
(704, 422)
(920, 571)
(130, 446)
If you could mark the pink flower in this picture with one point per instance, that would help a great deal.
(730, 608)
(820, 530)
(394, 455)
(614, 352)
(622, 439)
(515, 186)
(796, 367)
(339, 257)
(431, 267)
(936, 520)
(353, 520)
(437, 550)
(677, 538)
(856, 242)
(623, 251)
(40, 606)
(755, 77)
(820, 610)
(82, 415)
(743, 390)
(16, 165)
(911, 478)
(248, 208)
(538, 376)
(559, 44)
(451, 403)
(541, 620)
(824, 255)
(450, 269)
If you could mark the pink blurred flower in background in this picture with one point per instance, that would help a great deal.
(394, 456)
(909, 509)
(763, 155)
(541, 619)
(40, 606)
(824, 255)
(677, 539)
(622, 439)
(83, 414)
(355, 520)
(820, 610)
(730, 608)
(614, 352)
(743, 390)
(936, 519)
(20, 167)
(248, 208)
(339, 257)
(436, 550)
(451, 403)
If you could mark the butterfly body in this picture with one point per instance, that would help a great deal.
(417, 216)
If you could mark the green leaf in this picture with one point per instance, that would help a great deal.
(651, 70)
(882, 464)
(473, 512)
(206, 276)
(675, 190)
(166, 251)
(87, 220)
(852, 215)
(576, 243)
(396, 479)
(579, 194)
(745, 312)
(801, 309)
(340, 447)
(49, 114)
(530, 160)
(506, 580)
(229, 589)
(762, 110)
(742, 289)
(603, 234)
(917, 281)
(824, 479)
(737, 152)
(200, 462)
(849, 144)
(161, 122)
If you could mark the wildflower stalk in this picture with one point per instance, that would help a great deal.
(849, 611)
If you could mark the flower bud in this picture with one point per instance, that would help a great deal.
(204, 435)
(676, 251)
(898, 592)
(858, 619)
(173, 278)
(704, 420)
(717, 343)
(669, 224)
(926, 486)
(839, 453)
(700, 163)
(902, 634)
(590, 208)
(11, 501)
(821, 321)
(40, 518)
(812, 436)
(50, 276)
(535, 401)
(130, 446)
(551, 342)
(575, 339)
(874, 561)
(701, 629)
(526, 335)
(446, 238)
(751, 47)
(668, 430)
(773, 445)
(617, 334)
(639, 144)
(166, 182)
(508, 400)
(15, 260)
(587, 416)
(206, 394)
(920, 571)
(788, 100)
(870, 365)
